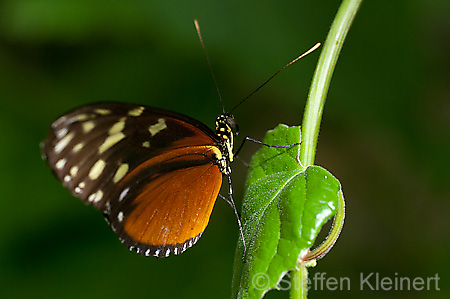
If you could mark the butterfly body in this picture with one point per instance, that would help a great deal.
(155, 174)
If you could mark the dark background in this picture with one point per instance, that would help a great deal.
(385, 133)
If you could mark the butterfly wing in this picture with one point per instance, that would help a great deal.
(91, 148)
(164, 204)
(100, 150)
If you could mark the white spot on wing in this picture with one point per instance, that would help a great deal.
(97, 169)
(121, 172)
(158, 127)
(61, 163)
(96, 197)
(61, 133)
(156, 252)
(110, 141)
(80, 187)
(81, 117)
(136, 111)
(102, 111)
(146, 144)
(77, 147)
(117, 127)
(88, 126)
(63, 143)
(123, 194)
(73, 170)
(120, 216)
(91, 197)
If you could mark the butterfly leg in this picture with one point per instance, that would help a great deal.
(226, 200)
(262, 143)
(230, 201)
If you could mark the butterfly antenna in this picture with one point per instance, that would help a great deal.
(197, 27)
(292, 62)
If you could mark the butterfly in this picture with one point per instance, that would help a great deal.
(155, 174)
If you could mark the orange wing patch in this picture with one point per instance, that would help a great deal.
(175, 207)
(172, 209)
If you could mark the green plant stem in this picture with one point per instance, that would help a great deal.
(322, 77)
(299, 287)
(316, 102)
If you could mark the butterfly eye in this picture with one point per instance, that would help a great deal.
(230, 120)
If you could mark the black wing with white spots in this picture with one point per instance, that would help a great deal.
(92, 148)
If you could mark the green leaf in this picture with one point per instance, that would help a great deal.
(284, 208)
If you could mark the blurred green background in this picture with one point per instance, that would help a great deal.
(385, 134)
